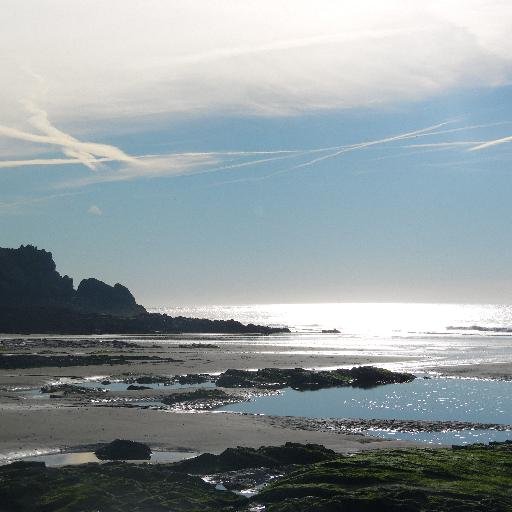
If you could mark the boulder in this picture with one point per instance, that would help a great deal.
(121, 449)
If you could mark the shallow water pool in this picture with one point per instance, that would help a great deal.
(443, 399)
(68, 459)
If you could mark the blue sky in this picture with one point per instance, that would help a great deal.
(285, 153)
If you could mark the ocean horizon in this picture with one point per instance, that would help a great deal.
(362, 318)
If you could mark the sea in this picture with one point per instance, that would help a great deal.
(419, 338)
(421, 335)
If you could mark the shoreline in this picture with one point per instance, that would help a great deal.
(32, 423)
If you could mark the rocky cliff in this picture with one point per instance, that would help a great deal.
(35, 298)
(28, 278)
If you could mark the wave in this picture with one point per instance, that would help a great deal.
(478, 328)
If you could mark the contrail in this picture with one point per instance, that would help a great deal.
(346, 149)
(444, 144)
(491, 143)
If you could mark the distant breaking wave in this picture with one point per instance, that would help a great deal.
(479, 328)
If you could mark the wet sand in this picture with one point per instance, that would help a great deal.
(501, 371)
(69, 428)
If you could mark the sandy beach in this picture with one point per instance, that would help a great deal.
(31, 423)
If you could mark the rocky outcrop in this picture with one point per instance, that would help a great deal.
(28, 279)
(301, 379)
(28, 276)
(121, 449)
(53, 320)
(200, 399)
(35, 298)
(267, 456)
(95, 296)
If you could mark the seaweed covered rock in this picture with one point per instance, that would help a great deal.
(476, 478)
(233, 459)
(121, 449)
(200, 399)
(113, 487)
(71, 389)
(301, 379)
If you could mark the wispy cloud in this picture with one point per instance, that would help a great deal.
(8, 164)
(90, 154)
(249, 56)
(132, 167)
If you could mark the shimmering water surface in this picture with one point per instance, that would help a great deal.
(470, 400)
(420, 335)
(361, 319)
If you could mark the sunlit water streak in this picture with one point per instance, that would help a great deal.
(419, 335)
(359, 319)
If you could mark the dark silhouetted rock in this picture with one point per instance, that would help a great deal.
(35, 298)
(95, 296)
(121, 449)
(28, 277)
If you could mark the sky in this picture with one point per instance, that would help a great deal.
(269, 151)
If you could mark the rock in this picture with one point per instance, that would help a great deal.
(194, 378)
(134, 387)
(62, 390)
(198, 395)
(95, 296)
(28, 277)
(149, 379)
(35, 298)
(124, 450)
(238, 458)
(116, 486)
(105, 382)
(301, 379)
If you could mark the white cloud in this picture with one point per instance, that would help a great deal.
(95, 210)
(85, 153)
(127, 57)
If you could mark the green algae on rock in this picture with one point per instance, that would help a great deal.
(110, 487)
(265, 456)
(476, 478)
